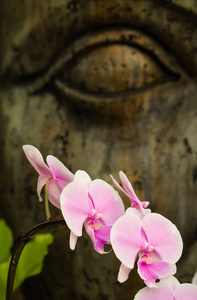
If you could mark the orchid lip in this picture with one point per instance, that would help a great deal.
(93, 226)
(147, 260)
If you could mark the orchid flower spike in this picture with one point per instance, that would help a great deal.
(168, 289)
(130, 193)
(92, 203)
(154, 238)
(55, 176)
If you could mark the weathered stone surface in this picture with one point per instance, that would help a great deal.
(104, 86)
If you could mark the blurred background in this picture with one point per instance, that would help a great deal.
(104, 86)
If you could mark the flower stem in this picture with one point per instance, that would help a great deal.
(22, 241)
(47, 210)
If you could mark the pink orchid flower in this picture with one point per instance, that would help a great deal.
(130, 193)
(154, 238)
(56, 176)
(92, 203)
(168, 289)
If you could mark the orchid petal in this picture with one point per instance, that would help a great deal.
(82, 175)
(103, 233)
(171, 281)
(130, 193)
(155, 293)
(126, 238)
(127, 193)
(123, 273)
(164, 236)
(102, 237)
(73, 240)
(106, 200)
(90, 232)
(39, 165)
(30, 148)
(42, 180)
(75, 205)
(164, 290)
(54, 192)
(60, 172)
(128, 187)
(150, 270)
(118, 185)
(36, 160)
(145, 203)
(99, 236)
(186, 291)
(137, 212)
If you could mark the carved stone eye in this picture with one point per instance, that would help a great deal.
(111, 63)
(115, 68)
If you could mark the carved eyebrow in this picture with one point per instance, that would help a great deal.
(173, 17)
(178, 34)
(106, 37)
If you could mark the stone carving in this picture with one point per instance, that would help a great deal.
(104, 86)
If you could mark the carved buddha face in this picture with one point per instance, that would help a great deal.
(104, 86)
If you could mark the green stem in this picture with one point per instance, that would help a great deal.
(48, 214)
(18, 250)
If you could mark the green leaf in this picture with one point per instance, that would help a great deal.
(6, 241)
(31, 260)
(3, 278)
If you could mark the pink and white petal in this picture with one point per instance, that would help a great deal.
(145, 204)
(163, 290)
(54, 193)
(127, 185)
(126, 238)
(151, 271)
(42, 180)
(123, 273)
(60, 172)
(145, 211)
(129, 189)
(136, 212)
(164, 236)
(130, 193)
(90, 232)
(83, 176)
(170, 281)
(140, 205)
(30, 148)
(36, 160)
(73, 240)
(40, 165)
(106, 201)
(99, 245)
(100, 235)
(118, 186)
(186, 291)
(74, 205)
(155, 293)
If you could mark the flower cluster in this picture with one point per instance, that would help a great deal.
(168, 289)
(137, 235)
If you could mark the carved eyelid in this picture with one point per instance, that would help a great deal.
(94, 41)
